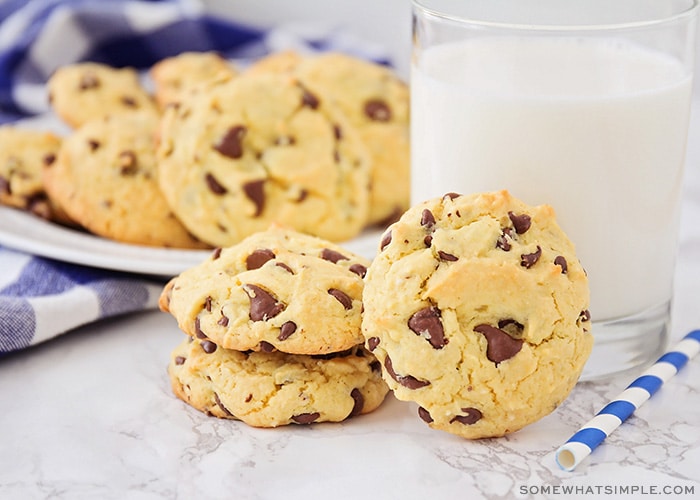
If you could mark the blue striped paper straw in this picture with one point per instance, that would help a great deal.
(581, 444)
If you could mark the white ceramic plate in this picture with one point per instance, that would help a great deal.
(26, 232)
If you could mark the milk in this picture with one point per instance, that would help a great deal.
(541, 118)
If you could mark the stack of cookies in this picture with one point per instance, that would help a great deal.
(273, 332)
(213, 153)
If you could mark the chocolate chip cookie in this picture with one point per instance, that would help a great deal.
(276, 290)
(104, 177)
(174, 77)
(85, 91)
(24, 154)
(376, 103)
(272, 389)
(477, 308)
(253, 150)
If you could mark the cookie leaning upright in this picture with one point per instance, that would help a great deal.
(275, 290)
(81, 92)
(477, 308)
(252, 150)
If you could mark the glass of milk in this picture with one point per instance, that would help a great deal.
(583, 105)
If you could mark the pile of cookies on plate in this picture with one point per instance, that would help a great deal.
(213, 153)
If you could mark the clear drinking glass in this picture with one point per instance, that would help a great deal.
(581, 105)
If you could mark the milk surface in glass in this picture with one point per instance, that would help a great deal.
(544, 119)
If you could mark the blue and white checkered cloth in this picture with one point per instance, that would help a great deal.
(41, 298)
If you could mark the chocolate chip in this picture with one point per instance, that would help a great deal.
(471, 416)
(332, 255)
(447, 256)
(89, 81)
(180, 360)
(49, 159)
(520, 222)
(255, 193)
(359, 402)
(585, 315)
(208, 346)
(342, 297)
(223, 320)
(337, 132)
(377, 110)
(428, 241)
(5, 186)
(207, 303)
(216, 253)
(503, 241)
(284, 266)
(451, 196)
(263, 305)
(197, 330)
(372, 343)
(93, 144)
(306, 418)
(358, 269)
(129, 102)
(214, 185)
(500, 345)
(530, 259)
(561, 262)
(259, 256)
(286, 330)
(231, 143)
(127, 162)
(221, 405)
(426, 323)
(309, 100)
(266, 346)
(424, 415)
(386, 239)
(427, 219)
(408, 381)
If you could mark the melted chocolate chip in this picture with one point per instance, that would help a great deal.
(180, 360)
(266, 346)
(208, 346)
(530, 259)
(127, 162)
(284, 266)
(197, 330)
(223, 320)
(451, 196)
(358, 269)
(214, 185)
(520, 222)
(306, 418)
(500, 345)
(129, 102)
(93, 144)
(447, 256)
(372, 343)
(359, 402)
(424, 415)
(286, 330)
(309, 100)
(259, 256)
(49, 159)
(221, 405)
(255, 193)
(263, 305)
(231, 143)
(216, 253)
(386, 239)
(503, 241)
(408, 381)
(332, 255)
(426, 323)
(207, 303)
(427, 219)
(470, 417)
(561, 262)
(428, 241)
(377, 110)
(342, 297)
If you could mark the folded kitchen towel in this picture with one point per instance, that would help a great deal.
(41, 298)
